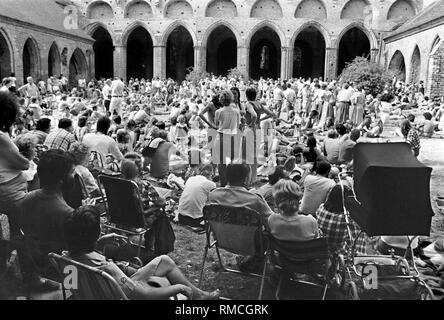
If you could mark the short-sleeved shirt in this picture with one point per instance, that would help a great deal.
(346, 150)
(102, 144)
(316, 189)
(195, 196)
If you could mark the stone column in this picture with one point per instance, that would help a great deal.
(285, 63)
(331, 63)
(243, 59)
(120, 61)
(159, 61)
(199, 58)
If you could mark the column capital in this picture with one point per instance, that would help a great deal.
(331, 48)
(159, 46)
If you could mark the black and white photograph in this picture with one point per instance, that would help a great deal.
(226, 156)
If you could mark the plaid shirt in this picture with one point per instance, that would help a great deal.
(334, 228)
(60, 139)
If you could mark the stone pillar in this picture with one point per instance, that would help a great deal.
(120, 61)
(331, 63)
(199, 58)
(243, 59)
(285, 63)
(159, 61)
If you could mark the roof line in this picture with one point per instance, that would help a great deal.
(46, 29)
(422, 27)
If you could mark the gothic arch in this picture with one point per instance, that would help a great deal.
(397, 65)
(271, 25)
(6, 55)
(219, 23)
(311, 9)
(78, 67)
(31, 59)
(93, 27)
(316, 25)
(54, 60)
(173, 26)
(129, 29)
(415, 65)
(370, 35)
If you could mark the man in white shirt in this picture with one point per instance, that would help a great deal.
(117, 90)
(101, 143)
(278, 97)
(290, 97)
(30, 89)
(316, 189)
(106, 94)
(195, 196)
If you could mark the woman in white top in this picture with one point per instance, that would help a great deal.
(13, 184)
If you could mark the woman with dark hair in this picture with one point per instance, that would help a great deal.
(159, 279)
(13, 184)
(312, 153)
(411, 136)
(332, 223)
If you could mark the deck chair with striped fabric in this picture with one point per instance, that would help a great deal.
(92, 284)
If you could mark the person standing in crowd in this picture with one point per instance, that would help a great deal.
(30, 90)
(13, 184)
(107, 94)
(227, 120)
(343, 104)
(117, 94)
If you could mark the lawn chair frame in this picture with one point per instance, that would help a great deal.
(245, 218)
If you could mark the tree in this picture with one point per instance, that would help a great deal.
(237, 74)
(195, 76)
(370, 75)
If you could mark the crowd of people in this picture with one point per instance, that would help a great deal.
(276, 147)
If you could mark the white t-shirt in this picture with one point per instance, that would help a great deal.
(195, 196)
(316, 189)
(102, 144)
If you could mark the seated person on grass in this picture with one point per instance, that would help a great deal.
(82, 231)
(195, 195)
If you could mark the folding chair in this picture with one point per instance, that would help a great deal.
(91, 284)
(124, 207)
(309, 258)
(236, 230)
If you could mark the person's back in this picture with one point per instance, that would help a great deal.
(294, 228)
(331, 146)
(160, 161)
(194, 196)
(43, 216)
(236, 195)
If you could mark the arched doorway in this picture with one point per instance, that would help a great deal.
(180, 54)
(265, 54)
(140, 54)
(5, 58)
(221, 51)
(103, 53)
(309, 54)
(397, 65)
(54, 61)
(354, 43)
(78, 68)
(415, 70)
(30, 60)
